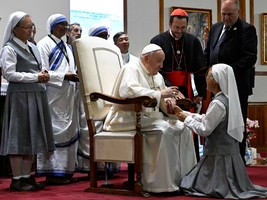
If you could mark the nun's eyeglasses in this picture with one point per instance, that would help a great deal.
(28, 28)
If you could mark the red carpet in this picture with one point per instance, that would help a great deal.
(75, 191)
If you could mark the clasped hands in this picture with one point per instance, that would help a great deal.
(43, 76)
(171, 95)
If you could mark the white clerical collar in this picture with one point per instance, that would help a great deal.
(125, 57)
(173, 36)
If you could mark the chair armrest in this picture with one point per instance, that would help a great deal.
(141, 100)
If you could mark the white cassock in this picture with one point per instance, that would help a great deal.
(168, 145)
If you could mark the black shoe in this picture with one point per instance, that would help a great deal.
(31, 180)
(178, 192)
(57, 180)
(21, 185)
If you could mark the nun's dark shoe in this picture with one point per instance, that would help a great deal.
(21, 185)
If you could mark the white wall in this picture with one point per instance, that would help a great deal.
(40, 10)
(143, 23)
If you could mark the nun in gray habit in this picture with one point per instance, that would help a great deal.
(27, 128)
(220, 173)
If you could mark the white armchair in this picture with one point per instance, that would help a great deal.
(99, 63)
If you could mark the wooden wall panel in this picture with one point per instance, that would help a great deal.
(258, 111)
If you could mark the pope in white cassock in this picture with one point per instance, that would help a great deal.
(168, 145)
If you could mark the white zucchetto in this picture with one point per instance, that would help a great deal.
(150, 48)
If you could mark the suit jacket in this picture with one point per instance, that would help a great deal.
(238, 49)
(194, 58)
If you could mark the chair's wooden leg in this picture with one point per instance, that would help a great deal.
(138, 186)
(131, 173)
(93, 175)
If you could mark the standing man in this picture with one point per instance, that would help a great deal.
(237, 47)
(82, 161)
(184, 57)
(57, 59)
(184, 64)
(121, 40)
(74, 32)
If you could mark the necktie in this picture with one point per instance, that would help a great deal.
(215, 53)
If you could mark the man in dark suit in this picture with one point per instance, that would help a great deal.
(184, 64)
(234, 42)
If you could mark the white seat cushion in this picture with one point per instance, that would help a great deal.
(114, 146)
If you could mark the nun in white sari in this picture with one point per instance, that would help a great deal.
(57, 58)
(168, 146)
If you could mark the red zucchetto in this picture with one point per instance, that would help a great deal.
(179, 12)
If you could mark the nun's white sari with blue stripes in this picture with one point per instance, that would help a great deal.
(58, 59)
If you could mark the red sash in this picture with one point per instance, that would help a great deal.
(181, 78)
